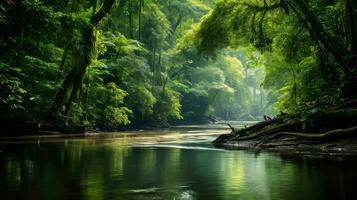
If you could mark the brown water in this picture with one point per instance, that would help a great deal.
(167, 164)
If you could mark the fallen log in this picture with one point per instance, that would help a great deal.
(291, 125)
(331, 122)
(231, 127)
(261, 125)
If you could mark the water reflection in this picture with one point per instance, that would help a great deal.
(97, 168)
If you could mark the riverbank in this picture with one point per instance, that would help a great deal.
(23, 129)
(327, 129)
(290, 144)
(289, 134)
(179, 134)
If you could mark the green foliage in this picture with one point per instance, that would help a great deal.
(167, 106)
(115, 117)
(12, 92)
(144, 66)
(159, 61)
(156, 25)
(304, 50)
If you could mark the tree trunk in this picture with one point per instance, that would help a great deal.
(65, 54)
(352, 29)
(140, 13)
(159, 70)
(75, 76)
(131, 20)
(318, 30)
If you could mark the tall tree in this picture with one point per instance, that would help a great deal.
(73, 80)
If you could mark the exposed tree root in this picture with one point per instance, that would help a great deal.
(232, 128)
(348, 104)
(336, 123)
(259, 126)
(285, 144)
(292, 125)
(336, 133)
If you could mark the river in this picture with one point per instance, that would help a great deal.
(176, 163)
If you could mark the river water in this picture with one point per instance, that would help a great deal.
(177, 163)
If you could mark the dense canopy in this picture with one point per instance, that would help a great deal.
(114, 64)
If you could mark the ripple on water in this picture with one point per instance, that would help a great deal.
(180, 147)
(177, 193)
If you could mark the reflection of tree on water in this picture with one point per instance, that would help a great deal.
(104, 169)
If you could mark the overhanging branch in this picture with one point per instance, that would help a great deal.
(265, 8)
(107, 5)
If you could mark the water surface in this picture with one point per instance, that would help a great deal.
(178, 163)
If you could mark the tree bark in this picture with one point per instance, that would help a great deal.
(335, 133)
(319, 32)
(75, 76)
(131, 20)
(65, 54)
(140, 14)
(352, 29)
